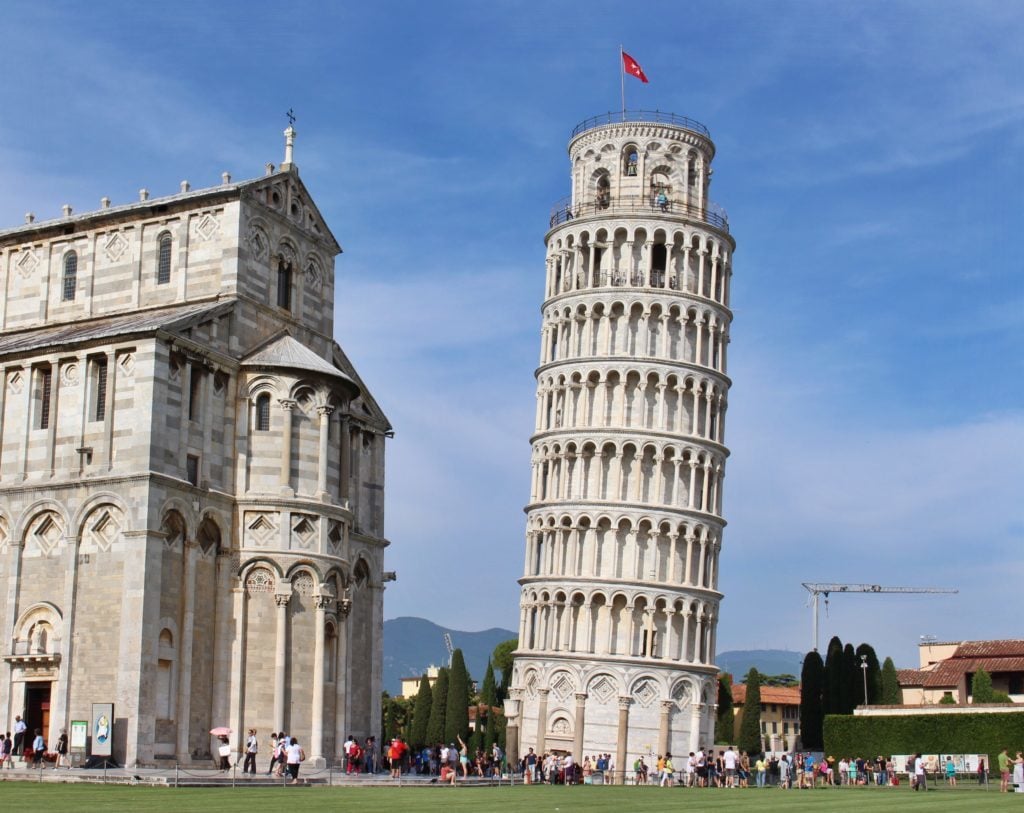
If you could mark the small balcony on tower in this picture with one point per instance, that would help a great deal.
(657, 202)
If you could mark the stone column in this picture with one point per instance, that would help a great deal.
(663, 726)
(321, 479)
(513, 705)
(316, 745)
(59, 713)
(695, 709)
(581, 711)
(542, 720)
(286, 447)
(183, 707)
(280, 656)
(345, 469)
(622, 738)
(108, 413)
(341, 673)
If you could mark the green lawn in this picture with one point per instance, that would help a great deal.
(75, 798)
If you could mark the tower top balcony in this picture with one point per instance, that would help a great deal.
(643, 117)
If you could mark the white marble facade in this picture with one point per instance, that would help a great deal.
(619, 601)
(191, 476)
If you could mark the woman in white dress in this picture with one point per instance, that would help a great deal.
(1018, 772)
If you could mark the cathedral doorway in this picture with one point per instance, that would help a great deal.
(37, 709)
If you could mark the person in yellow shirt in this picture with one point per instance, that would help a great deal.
(759, 769)
(667, 769)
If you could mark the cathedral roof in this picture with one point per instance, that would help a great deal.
(286, 352)
(175, 318)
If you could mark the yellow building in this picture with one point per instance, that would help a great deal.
(947, 668)
(780, 716)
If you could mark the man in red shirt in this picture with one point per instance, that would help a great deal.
(396, 752)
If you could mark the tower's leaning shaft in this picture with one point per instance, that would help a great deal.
(620, 598)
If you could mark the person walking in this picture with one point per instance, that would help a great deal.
(920, 779)
(294, 756)
(38, 747)
(62, 751)
(252, 746)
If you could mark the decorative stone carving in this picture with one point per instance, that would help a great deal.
(27, 263)
(206, 226)
(115, 246)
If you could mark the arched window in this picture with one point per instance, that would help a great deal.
(166, 656)
(630, 159)
(163, 261)
(70, 277)
(263, 413)
(284, 285)
(604, 191)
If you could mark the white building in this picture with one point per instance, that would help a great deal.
(191, 475)
(619, 600)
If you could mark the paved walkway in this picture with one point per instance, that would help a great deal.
(210, 777)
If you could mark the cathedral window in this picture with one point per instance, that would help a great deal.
(195, 389)
(99, 380)
(163, 261)
(284, 285)
(70, 282)
(263, 413)
(44, 392)
(192, 469)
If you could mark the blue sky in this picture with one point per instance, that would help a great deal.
(870, 159)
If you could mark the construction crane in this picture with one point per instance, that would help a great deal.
(816, 590)
(451, 649)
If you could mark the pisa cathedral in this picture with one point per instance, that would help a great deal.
(191, 476)
(619, 600)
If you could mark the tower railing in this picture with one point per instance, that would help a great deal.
(565, 210)
(652, 116)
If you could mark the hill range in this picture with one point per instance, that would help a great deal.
(412, 644)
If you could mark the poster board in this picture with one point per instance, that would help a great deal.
(102, 729)
(79, 735)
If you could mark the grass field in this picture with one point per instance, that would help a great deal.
(76, 798)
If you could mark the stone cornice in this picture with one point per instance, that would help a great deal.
(634, 511)
(584, 363)
(611, 585)
(666, 297)
(602, 133)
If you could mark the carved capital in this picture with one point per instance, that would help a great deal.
(624, 703)
(282, 599)
(285, 404)
(324, 410)
(344, 606)
(581, 698)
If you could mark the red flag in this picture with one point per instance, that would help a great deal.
(632, 67)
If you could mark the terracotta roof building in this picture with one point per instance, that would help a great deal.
(947, 669)
(780, 715)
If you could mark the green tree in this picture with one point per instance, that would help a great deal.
(421, 715)
(786, 680)
(438, 707)
(387, 717)
(749, 739)
(981, 688)
(851, 679)
(832, 695)
(891, 694)
(502, 660)
(488, 700)
(812, 685)
(874, 674)
(456, 718)
(724, 721)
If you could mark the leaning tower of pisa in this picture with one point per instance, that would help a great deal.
(620, 598)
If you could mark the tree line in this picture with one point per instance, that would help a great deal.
(440, 713)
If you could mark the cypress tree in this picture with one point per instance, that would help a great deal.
(438, 706)
(749, 739)
(812, 684)
(832, 696)
(489, 699)
(456, 718)
(851, 679)
(725, 720)
(891, 694)
(389, 716)
(981, 688)
(874, 674)
(421, 715)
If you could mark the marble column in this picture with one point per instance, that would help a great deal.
(321, 475)
(663, 726)
(622, 738)
(280, 657)
(316, 745)
(286, 446)
(542, 720)
(183, 707)
(341, 674)
(581, 711)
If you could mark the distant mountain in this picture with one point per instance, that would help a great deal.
(412, 644)
(738, 662)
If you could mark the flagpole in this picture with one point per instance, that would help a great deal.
(622, 81)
